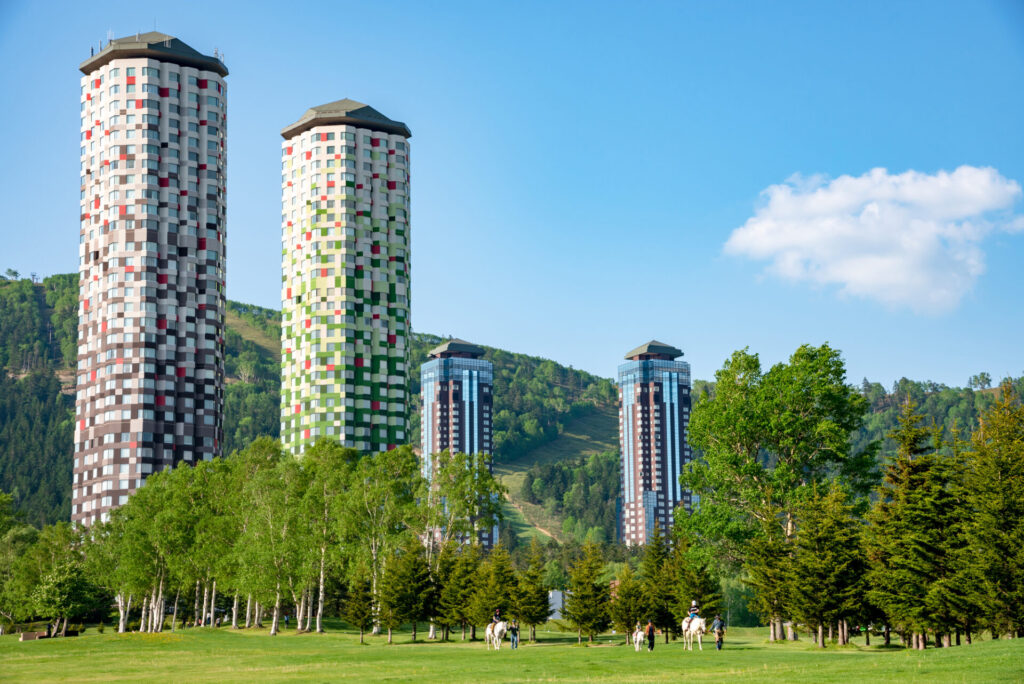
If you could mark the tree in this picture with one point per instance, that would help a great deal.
(534, 607)
(825, 571)
(378, 511)
(586, 606)
(690, 577)
(994, 487)
(497, 589)
(658, 583)
(908, 543)
(627, 606)
(357, 608)
(408, 592)
(457, 592)
(766, 440)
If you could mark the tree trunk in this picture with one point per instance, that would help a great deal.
(320, 602)
(472, 632)
(206, 605)
(579, 636)
(248, 611)
(277, 611)
(389, 635)
(946, 643)
(144, 615)
(771, 630)
(64, 627)
(820, 639)
(414, 631)
(967, 634)
(213, 604)
(790, 632)
(158, 609)
(463, 630)
(957, 636)
(300, 610)
(259, 615)
(886, 636)
(174, 618)
(831, 630)
(533, 633)
(309, 608)
(234, 613)
(867, 635)
(198, 614)
(431, 630)
(122, 611)
(360, 634)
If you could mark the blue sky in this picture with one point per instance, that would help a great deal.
(579, 168)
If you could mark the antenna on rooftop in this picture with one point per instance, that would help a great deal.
(110, 35)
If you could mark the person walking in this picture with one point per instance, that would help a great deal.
(718, 627)
(650, 635)
(513, 634)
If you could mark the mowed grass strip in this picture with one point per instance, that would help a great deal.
(227, 655)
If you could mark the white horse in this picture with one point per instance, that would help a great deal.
(494, 634)
(694, 626)
(638, 640)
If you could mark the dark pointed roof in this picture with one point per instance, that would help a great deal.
(456, 346)
(346, 112)
(655, 347)
(154, 45)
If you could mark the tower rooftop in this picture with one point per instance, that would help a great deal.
(456, 347)
(654, 350)
(348, 112)
(154, 45)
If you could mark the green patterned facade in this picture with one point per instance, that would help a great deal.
(345, 283)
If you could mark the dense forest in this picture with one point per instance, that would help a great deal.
(578, 491)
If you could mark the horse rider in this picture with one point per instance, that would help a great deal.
(718, 627)
(496, 618)
(694, 612)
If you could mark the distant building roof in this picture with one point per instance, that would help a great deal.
(346, 112)
(456, 347)
(655, 348)
(154, 45)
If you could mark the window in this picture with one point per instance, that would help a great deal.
(150, 71)
(174, 77)
(114, 89)
(130, 71)
(114, 73)
(193, 81)
(130, 88)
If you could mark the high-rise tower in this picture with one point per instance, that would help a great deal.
(455, 384)
(654, 416)
(345, 284)
(150, 385)
(456, 387)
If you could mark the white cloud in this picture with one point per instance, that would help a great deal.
(907, 240)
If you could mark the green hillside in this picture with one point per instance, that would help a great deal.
(555, 427)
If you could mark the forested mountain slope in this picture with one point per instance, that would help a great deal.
(555, 428)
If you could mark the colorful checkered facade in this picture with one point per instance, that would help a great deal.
(345, 285)
(150, 379)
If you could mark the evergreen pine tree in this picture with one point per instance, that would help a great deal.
(823, 574)
(994, 486)
(456, 596)
(586, 606)
(909, 542)
(534, 608)
(658, 582)
(357, 608)
(497, 589)
(627, 607)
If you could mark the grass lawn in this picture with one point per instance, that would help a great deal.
(226, 655)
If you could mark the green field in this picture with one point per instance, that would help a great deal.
(226, 655)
